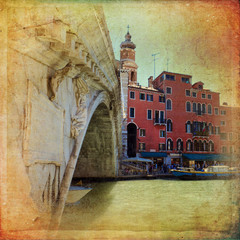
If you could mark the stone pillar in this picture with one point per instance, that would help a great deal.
(124, 110)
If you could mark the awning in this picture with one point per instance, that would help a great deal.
(137, 159)
(153, 154)
(206, 157)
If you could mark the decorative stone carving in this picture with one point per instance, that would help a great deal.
(79, 119)
(68, 71)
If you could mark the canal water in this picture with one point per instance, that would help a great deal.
(155, 209)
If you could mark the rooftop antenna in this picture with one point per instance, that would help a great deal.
(128, 27)
(167, 64)
(154, 59)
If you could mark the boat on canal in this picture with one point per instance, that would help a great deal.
(76, 193)
(211, 172)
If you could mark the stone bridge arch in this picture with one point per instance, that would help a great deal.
(97, 156)
(61, 81)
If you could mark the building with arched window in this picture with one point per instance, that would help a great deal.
(176, 119)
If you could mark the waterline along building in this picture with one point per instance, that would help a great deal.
(173, 120)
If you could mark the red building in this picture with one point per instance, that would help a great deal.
(172, 119)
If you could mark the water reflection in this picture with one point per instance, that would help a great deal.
(157, 206)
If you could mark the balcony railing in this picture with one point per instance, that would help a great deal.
(160, 121)
(200, 133)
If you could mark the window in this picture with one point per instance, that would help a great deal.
(188, 127)
(132, 95)
(159, 117)
(168, 90)
(161, 99)
(224, 149)
(211, 146)
(170, 77)
(209, 109)
(223, 136)
(142, 96)
(142, 132)
(209, 96)
(194, 106)
(231, 149)
(189, 145)
(203, 95)
(149, 97)
(169, 104)
(223, 112)
(179, 145)
(169, 144)
(210, 129)
(230, 135)
(223, 123)
(185, 80)
(199, 109)
(203, 108)
(162, 146)
(188, 106)
(132, 112)
(200, 146)
(161, 78)
(142, 146)
(200, 87)
(205, 146)
(149, 114)
(188, 94)
(162, 133)
(217, 130)
(195, 145)
(194, 94)
(169, 125)
(216, 111)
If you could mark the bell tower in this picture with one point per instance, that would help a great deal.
(127, 59)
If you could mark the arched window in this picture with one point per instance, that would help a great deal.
(204, 146)
(179, 145)
(169, 144)
(210, 129)
(203, 108)
(169, 104)
(189, 145)
(195, 145)
(188, 106)
(169, 125)
(211, 146)
(200, 145)
(209, 109)
(188, 127)
(199, 109)
(194, 107)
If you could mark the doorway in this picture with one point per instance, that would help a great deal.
(131, 140)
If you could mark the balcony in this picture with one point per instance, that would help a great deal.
(159, 121)
(199, 113)
(200, 133)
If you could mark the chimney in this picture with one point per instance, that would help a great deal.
(225, 104)
(150, 80)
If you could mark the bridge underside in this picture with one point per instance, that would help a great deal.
(96, 156)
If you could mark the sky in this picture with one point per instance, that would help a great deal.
(200, 38)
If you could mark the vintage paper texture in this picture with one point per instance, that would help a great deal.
(200, 38)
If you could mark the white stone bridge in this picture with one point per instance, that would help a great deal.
(61, 109)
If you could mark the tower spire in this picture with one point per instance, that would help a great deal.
(128, 28)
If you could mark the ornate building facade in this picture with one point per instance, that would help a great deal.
(173, 120)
